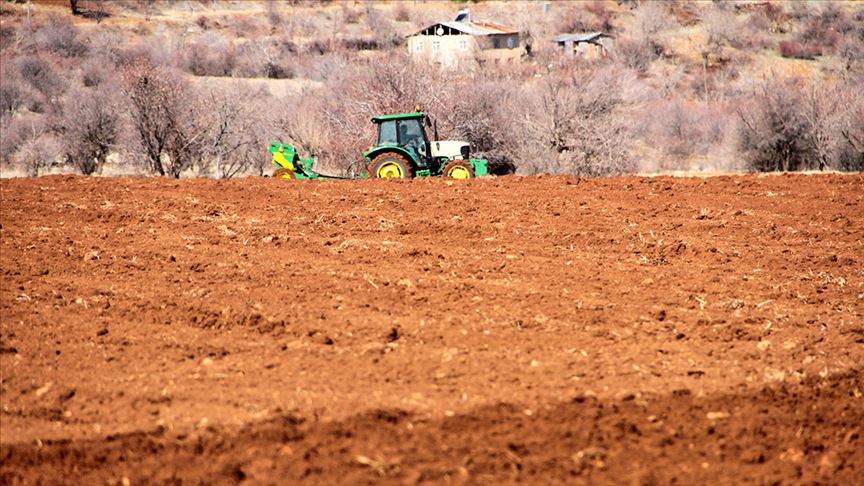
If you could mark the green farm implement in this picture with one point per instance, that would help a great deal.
(403, 150)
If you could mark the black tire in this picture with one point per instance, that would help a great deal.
(458, 169)
(390, 163)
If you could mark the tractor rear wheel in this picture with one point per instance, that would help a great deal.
(458, 169)
(283, 173)
(390, 164)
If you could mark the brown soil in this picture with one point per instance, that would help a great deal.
(538, 330)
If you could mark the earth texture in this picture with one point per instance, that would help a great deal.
(536, 330)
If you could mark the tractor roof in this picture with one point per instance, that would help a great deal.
(398, 116)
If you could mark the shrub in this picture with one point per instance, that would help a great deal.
(349, 15)
(61, 37)
(638, 54)
(203, 22)
(39, 74)
(577, 19)
(852, 52)
(685, 129)
(94, 72)
(39, 84)
(319, 47)
(266, 58)
(246, 26)
(797, 50)
(37, 154)
(401, 12)
(273, 15)
(651, 19)
(602, 14)
(19, 129)
(105, 47)
(371, 43)
(212, 55)
(12, 97)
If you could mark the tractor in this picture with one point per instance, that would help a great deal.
(402, 151)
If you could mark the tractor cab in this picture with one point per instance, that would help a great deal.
(405, 131)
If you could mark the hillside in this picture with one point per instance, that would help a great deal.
(688, 86)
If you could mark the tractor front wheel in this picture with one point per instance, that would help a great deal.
(390, 164)
(283, 173)
(458, 169)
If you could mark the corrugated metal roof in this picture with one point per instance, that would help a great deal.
(476, 27)
(580, 37)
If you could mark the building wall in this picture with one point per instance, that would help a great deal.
(500, 49)
(448, 50)
(588, 50)
(451, 50)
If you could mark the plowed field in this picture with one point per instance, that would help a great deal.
(503, 330)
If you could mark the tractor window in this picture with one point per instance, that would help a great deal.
(411, 132)
(387, 133)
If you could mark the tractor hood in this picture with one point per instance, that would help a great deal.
(452, 149)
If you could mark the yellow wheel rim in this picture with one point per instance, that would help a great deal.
(389, 169)
(459, 173)
(284, 175)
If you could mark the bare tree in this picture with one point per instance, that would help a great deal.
(236, 136)
(165, 114)
(578, 125)
(90, 128)
(773, 129)
(792, 125)
(28, 142)
(481, 113)
(851, 152)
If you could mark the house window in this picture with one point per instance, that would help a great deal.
(436, 46)
(496, 43)
(463, 44)
(418, 45)
(511, 42)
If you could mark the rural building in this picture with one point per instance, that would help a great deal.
(450, 43)
(586, 46)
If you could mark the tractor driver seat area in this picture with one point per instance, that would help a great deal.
(411, 138)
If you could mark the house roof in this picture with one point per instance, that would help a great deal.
(474, 27)
(593, 36)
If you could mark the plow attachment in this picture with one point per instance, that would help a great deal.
(289, 165)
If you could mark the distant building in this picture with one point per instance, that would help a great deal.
(587, 46)
(451, 43)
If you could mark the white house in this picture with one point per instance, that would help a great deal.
(451, 43)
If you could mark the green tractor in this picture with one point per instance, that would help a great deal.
(402, 151)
